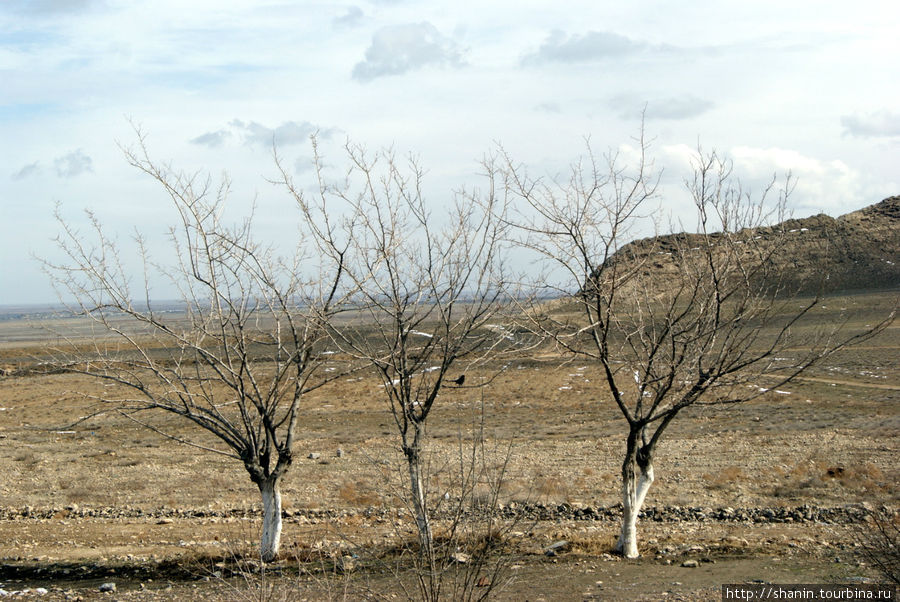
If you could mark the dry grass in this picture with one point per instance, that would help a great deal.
(822, 444)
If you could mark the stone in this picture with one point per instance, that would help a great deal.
(556, 547)
(314, 456)
(107, 587)
(690, 564)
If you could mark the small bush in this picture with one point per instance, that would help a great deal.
(879, 539)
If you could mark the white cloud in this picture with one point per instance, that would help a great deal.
(26, 171)
(43, 7)
(548, 107)
(73, 164)
(594, 45)
(397, 49)
(822, 185)
(212, 139)
(878, 124)
(630, 106)
(254, 133)
(351, 18)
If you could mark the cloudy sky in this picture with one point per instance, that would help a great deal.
(805, 86)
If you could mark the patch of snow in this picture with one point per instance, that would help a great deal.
(565, 388)
(506, 334)
(782, 392)
(421, 334)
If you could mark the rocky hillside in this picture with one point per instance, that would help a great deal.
(856, 251)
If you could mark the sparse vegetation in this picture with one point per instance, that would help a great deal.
(879, 539)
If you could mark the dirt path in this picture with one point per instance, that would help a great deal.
(847, 383)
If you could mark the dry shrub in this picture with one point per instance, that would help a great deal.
(879, 539)
(803, 475)
(80, 495)
(810, 473)
(592, 543)
(550, 488)
(727, 476)
(358, 493)
(867, 477)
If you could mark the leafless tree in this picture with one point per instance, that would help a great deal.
(430, 291)
(241, 348)
(673, 322)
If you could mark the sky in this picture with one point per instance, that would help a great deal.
(806, 87)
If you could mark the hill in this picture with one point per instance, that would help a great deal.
(856, 251)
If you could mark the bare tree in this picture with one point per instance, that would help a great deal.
(239, 351)
(672, 322)
(429, 291)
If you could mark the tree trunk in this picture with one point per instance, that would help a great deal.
(637, 476)
(417, 488)
(270, 489)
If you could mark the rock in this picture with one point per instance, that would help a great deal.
(165, 521)
(107, 587)
(314, 456)
(690, 564)
(556, 547)
(460, 557)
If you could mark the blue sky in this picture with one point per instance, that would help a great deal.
(805, 86)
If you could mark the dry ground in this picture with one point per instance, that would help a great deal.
(829, 439)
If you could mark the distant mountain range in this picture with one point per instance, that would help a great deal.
(856, 251)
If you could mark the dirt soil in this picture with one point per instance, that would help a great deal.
(110, 501)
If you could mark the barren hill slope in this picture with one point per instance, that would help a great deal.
(859, 250)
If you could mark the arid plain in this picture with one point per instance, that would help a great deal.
(760, 491)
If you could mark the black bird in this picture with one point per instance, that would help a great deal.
(460, 380)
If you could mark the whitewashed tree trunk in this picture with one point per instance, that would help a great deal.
(634, 492)
(271, 527)
(423, 524)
